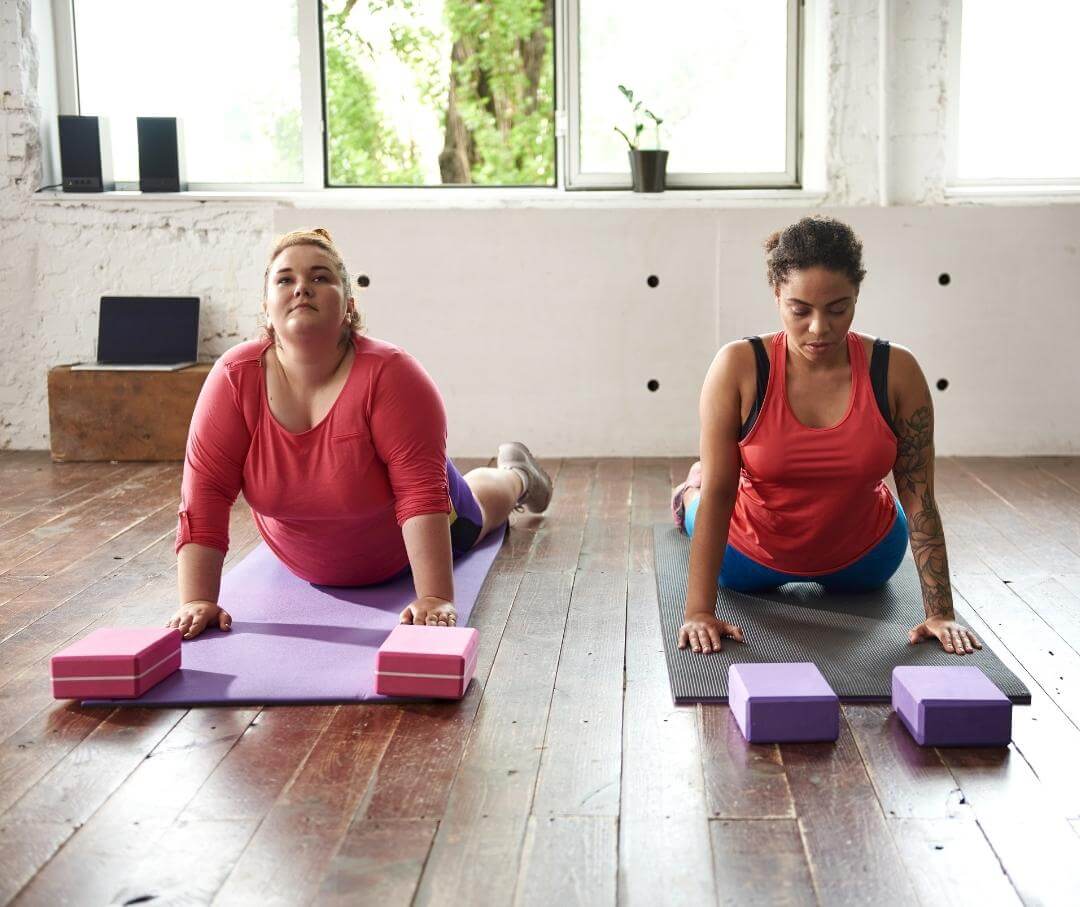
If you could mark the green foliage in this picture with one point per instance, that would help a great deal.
(363, 149)
(502, 70)
(639, 126)
(509, 118)
(287, 142)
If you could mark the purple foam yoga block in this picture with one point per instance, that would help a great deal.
(783, 702)
(951, 706)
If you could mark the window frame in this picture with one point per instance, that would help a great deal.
(69, 102)
(315, 136)
(554, 186)
(984, 186)
(789, 179)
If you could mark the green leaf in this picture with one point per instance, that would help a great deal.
(625, 137)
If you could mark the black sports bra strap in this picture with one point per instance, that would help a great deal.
(762, 360)
(879, 379)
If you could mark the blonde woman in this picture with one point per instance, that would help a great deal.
(338, 441)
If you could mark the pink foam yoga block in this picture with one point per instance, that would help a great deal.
(783, 702)
(426, 661)
(951, 706)
(115, 662)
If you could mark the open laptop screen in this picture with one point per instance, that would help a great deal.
(148, 330)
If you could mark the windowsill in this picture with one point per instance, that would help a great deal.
(1003, 194)
(474, 199)
(453, 198)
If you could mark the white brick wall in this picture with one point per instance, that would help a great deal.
(58, 259)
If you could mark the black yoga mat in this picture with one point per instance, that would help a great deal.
(854, 639)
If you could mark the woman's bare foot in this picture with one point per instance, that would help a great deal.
(684, 494)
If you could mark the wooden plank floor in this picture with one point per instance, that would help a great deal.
(566, 775)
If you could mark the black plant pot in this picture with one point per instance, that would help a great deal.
(648, 170)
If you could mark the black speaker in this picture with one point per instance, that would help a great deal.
(85, 155)
(161, 155)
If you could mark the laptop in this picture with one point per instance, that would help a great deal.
(146, 333)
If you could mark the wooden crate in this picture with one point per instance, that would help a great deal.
(107, 415)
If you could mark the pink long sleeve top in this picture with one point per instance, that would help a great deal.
(329, 501)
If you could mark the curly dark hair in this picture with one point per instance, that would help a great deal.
(813, 241)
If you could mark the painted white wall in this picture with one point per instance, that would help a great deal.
(536, 319)
(541, 325)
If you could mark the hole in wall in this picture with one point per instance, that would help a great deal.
(363, 281)
(652, 280)
(653, 385)
(942, 383)
(944, 279)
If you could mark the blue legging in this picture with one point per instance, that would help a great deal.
(871, 571)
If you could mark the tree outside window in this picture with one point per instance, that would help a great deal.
(430, 92)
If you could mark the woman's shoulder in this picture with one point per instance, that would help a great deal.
(743, 347)
(376, 349)
(390, 368)
(899, 355)
(249, 352)
(735, 366)
(378, 356)
(904, 377)
(739, 356)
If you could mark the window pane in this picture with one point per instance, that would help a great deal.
(423, 92)
(230, 71)
(715, 71)
(1019, 71)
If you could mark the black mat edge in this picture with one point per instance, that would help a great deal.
(664, 533)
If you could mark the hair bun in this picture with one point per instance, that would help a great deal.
(814, 241)
(324, 233)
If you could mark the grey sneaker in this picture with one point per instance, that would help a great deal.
(515, 455)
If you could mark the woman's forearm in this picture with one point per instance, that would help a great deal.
(707, 551)
(427, 541)
(928, 550)
(198, 571)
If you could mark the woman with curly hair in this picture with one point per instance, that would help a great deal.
(799, 429)
(338, 441)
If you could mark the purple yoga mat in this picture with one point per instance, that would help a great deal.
(292, 641)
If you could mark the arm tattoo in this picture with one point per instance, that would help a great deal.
(914, 442)
(914, 483)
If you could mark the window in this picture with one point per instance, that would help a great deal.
(238, 99)
(721, 74)
(351, 93)
(428, 92)
(1017, 78)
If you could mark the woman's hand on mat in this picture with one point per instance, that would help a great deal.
(954, 637)
(430, 611)
(194, 617)
(704, 632)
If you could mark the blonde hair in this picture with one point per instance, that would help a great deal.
(321, 238)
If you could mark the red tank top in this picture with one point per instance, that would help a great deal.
(814, 500)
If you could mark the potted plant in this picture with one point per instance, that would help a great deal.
(648, 167)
